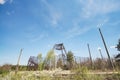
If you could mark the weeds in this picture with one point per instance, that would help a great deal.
(77, 74)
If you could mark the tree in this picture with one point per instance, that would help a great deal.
(6, 68)
(117, 57)
(49, 61)
(70, 59)
(118, 45)
(40, 61)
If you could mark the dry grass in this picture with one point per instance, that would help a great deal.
(80, 74)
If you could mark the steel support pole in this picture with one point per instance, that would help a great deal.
(90, 55)
(106, 49)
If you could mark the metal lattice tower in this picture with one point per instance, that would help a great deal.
(32, 63)
(61, 48)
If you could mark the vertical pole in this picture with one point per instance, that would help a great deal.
(55, 62)
(106, 49)
(90, 55)
(102, 59)
(101, 54)
(62, 57)
(17, 67)
(79, 62)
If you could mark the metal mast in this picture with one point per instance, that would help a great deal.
(106, 49)
(101, 53)
(61, 47)
(90, 55)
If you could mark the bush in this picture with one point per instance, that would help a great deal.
(5, 69)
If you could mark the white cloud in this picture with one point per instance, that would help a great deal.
(2, 1)
(91, 8)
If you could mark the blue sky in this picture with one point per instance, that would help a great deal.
(36, 25)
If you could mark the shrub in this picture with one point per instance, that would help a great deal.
(5, 69)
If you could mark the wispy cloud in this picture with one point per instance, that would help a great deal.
(11, 1)
(76, 31)
(2, 1)
(37, 38)
(10, 12)
(34, 33)
(54, 15)
(81, 27)
(90, 12)
(55, 18)
(101, 23)
(114, 23)
(32, 37)
(91, 8)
